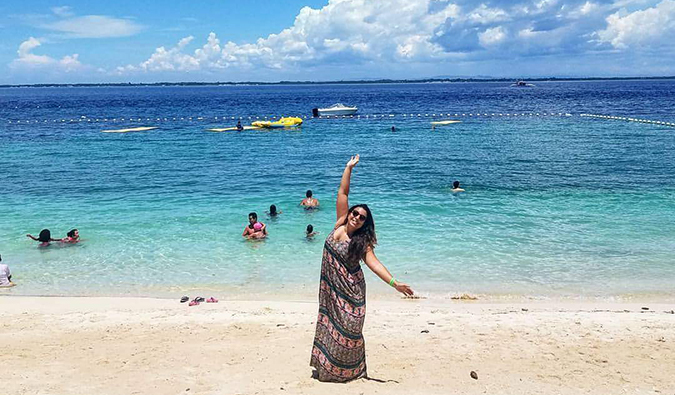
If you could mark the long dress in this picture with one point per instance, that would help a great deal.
(339, 353)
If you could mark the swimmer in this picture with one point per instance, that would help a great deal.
(72, 237)
(393, 128)
(239, 127)
(5, 276)
(45, 237)
(255, 229)
(310, 233)
(456, 188)
(273, 211)
(309, 202)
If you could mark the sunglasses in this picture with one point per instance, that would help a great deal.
(359, 216)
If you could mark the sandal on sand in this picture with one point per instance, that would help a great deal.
(211, 300)
(184, 299)
(199, 299)
(194, 303)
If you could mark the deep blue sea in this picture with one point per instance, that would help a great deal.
(556, 204)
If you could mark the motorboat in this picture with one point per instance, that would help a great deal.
(522, 84)
(335, 109)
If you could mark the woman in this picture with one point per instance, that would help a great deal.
(338, 353)
(72, 237)
(45, 237)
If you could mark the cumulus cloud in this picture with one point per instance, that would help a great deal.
(360, 32)
(27, 59)
(650, 26)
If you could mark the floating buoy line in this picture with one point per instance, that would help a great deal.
(85, 119)
(628, 119)
(412, 115)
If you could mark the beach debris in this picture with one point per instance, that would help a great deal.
(474, 375)
(524, 309)
(661, 339)
(211, 300)
(281, 325)
(645, 308)
(432, 323)
(425, 331)
(464, 297)
(670, 312)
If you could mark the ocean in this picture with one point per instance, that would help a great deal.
(557, 205)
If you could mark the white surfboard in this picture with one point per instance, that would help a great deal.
(441, 123)
(139, 129)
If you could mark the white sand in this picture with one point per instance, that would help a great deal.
(152, 346)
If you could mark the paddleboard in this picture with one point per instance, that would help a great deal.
(140, 129)
(232, 129)
(441, 123)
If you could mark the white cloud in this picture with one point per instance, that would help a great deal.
(653, 27)
(27, 59)
(63, 11)
(94, 26)
(492, 36)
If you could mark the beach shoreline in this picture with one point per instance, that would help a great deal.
(125, 345)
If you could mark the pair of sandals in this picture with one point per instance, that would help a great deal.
(196, 301)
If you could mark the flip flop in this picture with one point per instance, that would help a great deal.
(199, 299)
(211, 300)
(184, 299)
(194, 303)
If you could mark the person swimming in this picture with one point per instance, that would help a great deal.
(309, 232)
(273, 211)
(73, 236)
(456, 188)
(255, 229)
(45, 237)
(239, 127)
(309, 202)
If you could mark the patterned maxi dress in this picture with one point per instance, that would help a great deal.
(339, 353)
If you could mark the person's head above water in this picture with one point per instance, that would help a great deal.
(361, 226)
(310, 229)
(45, 236)
(73, 234)
(455, 184)
(273, 210)
(252, 217)
(308, 193)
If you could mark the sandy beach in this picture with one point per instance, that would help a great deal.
(70, 345)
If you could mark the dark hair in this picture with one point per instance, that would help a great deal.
(273, 210)
(310, 228)
(455, 184)
(45, 236)
(309, 193)
(363, 238)
(71, 233)
(253, 214)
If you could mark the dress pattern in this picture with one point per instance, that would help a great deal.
(339, 352)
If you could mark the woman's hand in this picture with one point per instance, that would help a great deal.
(404, 289)
(353, 161)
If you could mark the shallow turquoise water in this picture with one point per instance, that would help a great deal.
(555, 206)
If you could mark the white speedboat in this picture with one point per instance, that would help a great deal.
(335, 109)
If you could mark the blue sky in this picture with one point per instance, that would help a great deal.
(271, 40)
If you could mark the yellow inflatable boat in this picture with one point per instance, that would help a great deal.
(281, 123)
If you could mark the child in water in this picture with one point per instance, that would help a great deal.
(72, 237)
(309, 232)
(45, 237)
(255, 229)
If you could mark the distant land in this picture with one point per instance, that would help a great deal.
(345, 82)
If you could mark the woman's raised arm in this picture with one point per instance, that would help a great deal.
(342, 206)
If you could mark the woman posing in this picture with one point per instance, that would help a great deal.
(338, 353)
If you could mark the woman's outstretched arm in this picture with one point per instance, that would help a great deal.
(342, 206)
(378, 268)
(32, 237)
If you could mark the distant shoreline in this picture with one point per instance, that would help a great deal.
(345, 82)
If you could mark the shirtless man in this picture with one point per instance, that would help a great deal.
(255, 229)
(309, 201)
(456, 188)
